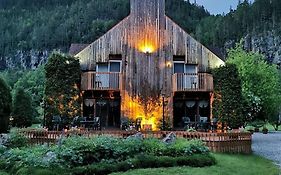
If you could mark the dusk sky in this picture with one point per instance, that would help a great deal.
(217, 6)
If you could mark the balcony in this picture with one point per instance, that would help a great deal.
(100, 81)
(200, 82)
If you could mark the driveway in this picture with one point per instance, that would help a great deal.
(268, 146)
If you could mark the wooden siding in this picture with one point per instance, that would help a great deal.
(146, 26)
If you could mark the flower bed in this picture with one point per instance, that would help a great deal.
(103, 155)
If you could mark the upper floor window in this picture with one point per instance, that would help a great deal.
(180, 67)
(112, 66)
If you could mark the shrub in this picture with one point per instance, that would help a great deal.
(93, 154)
(196, 160)
(16, 140)
(145, 161)
(154, 146)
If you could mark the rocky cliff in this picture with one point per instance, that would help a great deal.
(24, 59)
(267, 43)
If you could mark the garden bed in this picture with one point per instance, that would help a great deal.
(102, 155)
(217, 142)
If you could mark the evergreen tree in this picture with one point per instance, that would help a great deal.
(22, 111)
(227, 106)
(62, 94)
(5, 106)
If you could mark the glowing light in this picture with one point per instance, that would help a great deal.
(147, 49)
(169, 64)
(150, 112)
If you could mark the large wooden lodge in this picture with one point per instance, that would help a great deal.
(143, 63)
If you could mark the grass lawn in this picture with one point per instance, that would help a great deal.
(268, 126)
(227, 165)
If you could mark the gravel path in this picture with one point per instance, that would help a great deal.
(268, 146)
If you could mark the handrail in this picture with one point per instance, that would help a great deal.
(193, 82)
(100, 81)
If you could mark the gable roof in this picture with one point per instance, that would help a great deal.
(147, 24)
(76, 48)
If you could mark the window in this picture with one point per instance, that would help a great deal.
(115, 66)
(191, 69)
(112, 66)
(178, 67)
(102, 67)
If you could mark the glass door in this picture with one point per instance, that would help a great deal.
(191, 77)
(179, 71)
(102, 77)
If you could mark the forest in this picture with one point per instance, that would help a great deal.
(55, 24)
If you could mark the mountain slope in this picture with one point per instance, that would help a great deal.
(30, 29)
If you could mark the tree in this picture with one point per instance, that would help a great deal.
(5, 105)
(62, 94)
(259, 79)
(227, 106)
(34, 83)
(22, 111)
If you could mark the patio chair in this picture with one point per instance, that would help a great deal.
(96, 123)
(186, 122)
(214, 123)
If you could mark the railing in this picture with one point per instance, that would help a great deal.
(217, 142)
(100, 81)
(193, 82)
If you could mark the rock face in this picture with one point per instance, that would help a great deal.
(267, 43)
(170, 138)
(24, 59)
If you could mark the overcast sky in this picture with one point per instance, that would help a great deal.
(218, 6)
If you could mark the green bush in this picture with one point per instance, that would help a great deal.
(196, 160)
(101, 151)
(16, 140)
(145, 161)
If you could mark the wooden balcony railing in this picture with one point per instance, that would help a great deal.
(100, 81)
(193, 82)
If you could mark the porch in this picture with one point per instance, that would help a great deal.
(192, 110)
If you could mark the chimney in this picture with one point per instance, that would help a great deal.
(151, 8)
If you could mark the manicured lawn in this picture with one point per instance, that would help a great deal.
(227, 165)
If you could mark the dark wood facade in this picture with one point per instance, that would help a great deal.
(149, 44)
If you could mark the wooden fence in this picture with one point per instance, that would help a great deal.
(217, 142)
